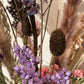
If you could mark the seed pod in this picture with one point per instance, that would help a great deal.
(57, 42)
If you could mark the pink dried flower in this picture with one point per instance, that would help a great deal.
(56, 67)
(45, 71)
(38, 26)
(54, 72)
(78, 73)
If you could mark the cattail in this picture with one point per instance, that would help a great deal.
(26, 27)
(57, 42)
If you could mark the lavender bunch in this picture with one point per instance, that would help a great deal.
(26, 68)
(46, 79)
(62, 77)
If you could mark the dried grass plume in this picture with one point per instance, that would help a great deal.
(5, 42)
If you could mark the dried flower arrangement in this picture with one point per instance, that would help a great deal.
(63, 43)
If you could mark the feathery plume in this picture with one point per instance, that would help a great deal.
(5, 42)
(77, 53)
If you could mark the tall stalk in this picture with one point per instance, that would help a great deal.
(41, 36)
(33, 24)
(46, 19)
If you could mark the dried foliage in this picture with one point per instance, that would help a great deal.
(70, 15)
(69, 26)
(77, 40)
(26, 26)
(5, 42)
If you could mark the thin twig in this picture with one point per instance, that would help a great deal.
(47, 8)
(46, 22)
(75, 66)
(58, 14)
(57, 19)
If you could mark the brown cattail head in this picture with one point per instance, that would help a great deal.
(57, 42)
(26, 28)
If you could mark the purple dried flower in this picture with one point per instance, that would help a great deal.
(26, 68)
(38, 59)
(61, 77)
(27, 77)
(17, 69)
(46, 79)
(24, 81)
(68, 73)
(32, 6)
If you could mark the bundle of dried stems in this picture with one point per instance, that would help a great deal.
(78, 39)
(69, 26)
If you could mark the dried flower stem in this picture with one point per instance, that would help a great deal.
(41, 37)
(58, 14)
(33, 24)
(47, 8)
(25, 40)
(46, 21)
